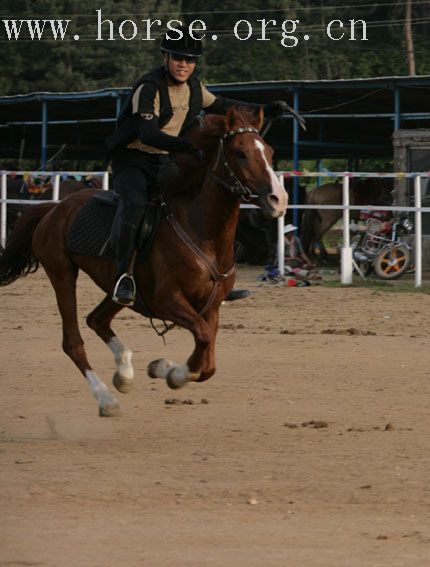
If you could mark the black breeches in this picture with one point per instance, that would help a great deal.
(133, 184)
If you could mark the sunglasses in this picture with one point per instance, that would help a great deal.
(186, 58)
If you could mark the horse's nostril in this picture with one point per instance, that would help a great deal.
(273, 199)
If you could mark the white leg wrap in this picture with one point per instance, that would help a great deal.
(123, 357)
(163, 368)
(176, 375)
(100, 391)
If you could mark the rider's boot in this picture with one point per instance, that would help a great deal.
(125, 286)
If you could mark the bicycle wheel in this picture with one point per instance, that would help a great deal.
(392, 261)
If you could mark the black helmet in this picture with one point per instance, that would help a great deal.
(185, 46)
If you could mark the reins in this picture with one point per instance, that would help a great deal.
(236, 188)
(210, 264)
(216, 275)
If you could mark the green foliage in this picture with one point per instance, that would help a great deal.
(87, 64)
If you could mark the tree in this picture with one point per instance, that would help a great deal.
(408, 38)
(88, 64)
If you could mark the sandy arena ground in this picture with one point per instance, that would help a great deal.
(312, 448)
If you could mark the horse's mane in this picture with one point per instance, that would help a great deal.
(191, 168)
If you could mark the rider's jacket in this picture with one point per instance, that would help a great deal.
(158, 111)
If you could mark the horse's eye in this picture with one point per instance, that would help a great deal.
(240, 154)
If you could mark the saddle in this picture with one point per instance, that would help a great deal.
(95, 229)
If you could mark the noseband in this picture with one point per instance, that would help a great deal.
(235, 186)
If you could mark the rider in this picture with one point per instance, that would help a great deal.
(161, 106)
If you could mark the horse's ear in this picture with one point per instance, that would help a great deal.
(231, 118)
(259, 120)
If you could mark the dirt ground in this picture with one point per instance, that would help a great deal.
(309, 447)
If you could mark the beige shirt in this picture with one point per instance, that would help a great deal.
(179, 98)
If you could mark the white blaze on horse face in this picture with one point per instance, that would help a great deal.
(278, 198)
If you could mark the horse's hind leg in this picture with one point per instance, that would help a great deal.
(99, 321)
(63, 278)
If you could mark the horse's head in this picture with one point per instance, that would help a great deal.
(247, 163)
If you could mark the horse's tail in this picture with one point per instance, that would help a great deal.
(308, 229)
(17, 260)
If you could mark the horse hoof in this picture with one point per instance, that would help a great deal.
(152, 366)
(175, 382)
(121, 384)
(110, 411)
(172, 385)
(159, 368)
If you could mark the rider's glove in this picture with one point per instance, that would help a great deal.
(276, 108)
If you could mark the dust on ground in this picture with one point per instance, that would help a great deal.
(310, 445)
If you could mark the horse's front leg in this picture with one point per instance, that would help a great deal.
(201, 364)
(208, 366)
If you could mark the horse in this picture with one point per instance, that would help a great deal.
(190, 268)
(316, 222)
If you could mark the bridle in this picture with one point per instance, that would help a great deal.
(236, 186)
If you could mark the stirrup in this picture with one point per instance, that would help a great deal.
(121, 300)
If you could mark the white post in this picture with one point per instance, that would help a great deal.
(56, 189)
(105, 185)
(3, 217)
(281, 242)
(418, 232)
(346, 252)
(281, 246)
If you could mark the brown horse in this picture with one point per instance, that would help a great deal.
(190, 269)
(316, 222)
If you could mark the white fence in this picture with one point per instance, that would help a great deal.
(56, 178)
(346, 252)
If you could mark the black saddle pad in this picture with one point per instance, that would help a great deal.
(91, 231)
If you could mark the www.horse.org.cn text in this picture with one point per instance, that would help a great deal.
(287, 32)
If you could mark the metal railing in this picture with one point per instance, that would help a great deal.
(346, 250)
(56, 178)
(346, 262)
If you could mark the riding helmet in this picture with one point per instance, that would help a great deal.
(187, 46)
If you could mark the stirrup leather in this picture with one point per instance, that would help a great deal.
(115, 291)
